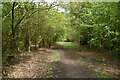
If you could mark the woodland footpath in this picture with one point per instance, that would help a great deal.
(82, 38)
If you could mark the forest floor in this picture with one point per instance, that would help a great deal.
(65, 60)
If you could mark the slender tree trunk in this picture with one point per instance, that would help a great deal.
(13, 31)
(9, 58)
(36, 44)
(27, 43)
(27, 38)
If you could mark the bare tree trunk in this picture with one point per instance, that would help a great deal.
(12, 27)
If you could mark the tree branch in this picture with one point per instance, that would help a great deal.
(10, 12)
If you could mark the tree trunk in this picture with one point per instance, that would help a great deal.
(36, 45)
(27, 43)
(27, 39)
(12, 27)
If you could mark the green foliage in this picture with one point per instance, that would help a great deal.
(91, 23)
(5, 62)
(32, 24)
(95, 24)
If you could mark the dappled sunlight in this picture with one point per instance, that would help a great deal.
(67, 44)
(53, 39)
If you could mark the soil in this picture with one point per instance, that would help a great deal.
(79, 62)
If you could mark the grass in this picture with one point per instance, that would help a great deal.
(56, 57)
(100, 74)
(103, 75)
(80, 58)
(67, 44)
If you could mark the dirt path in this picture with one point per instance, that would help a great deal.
(69, 66)
(75, 63)
(58, 62)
